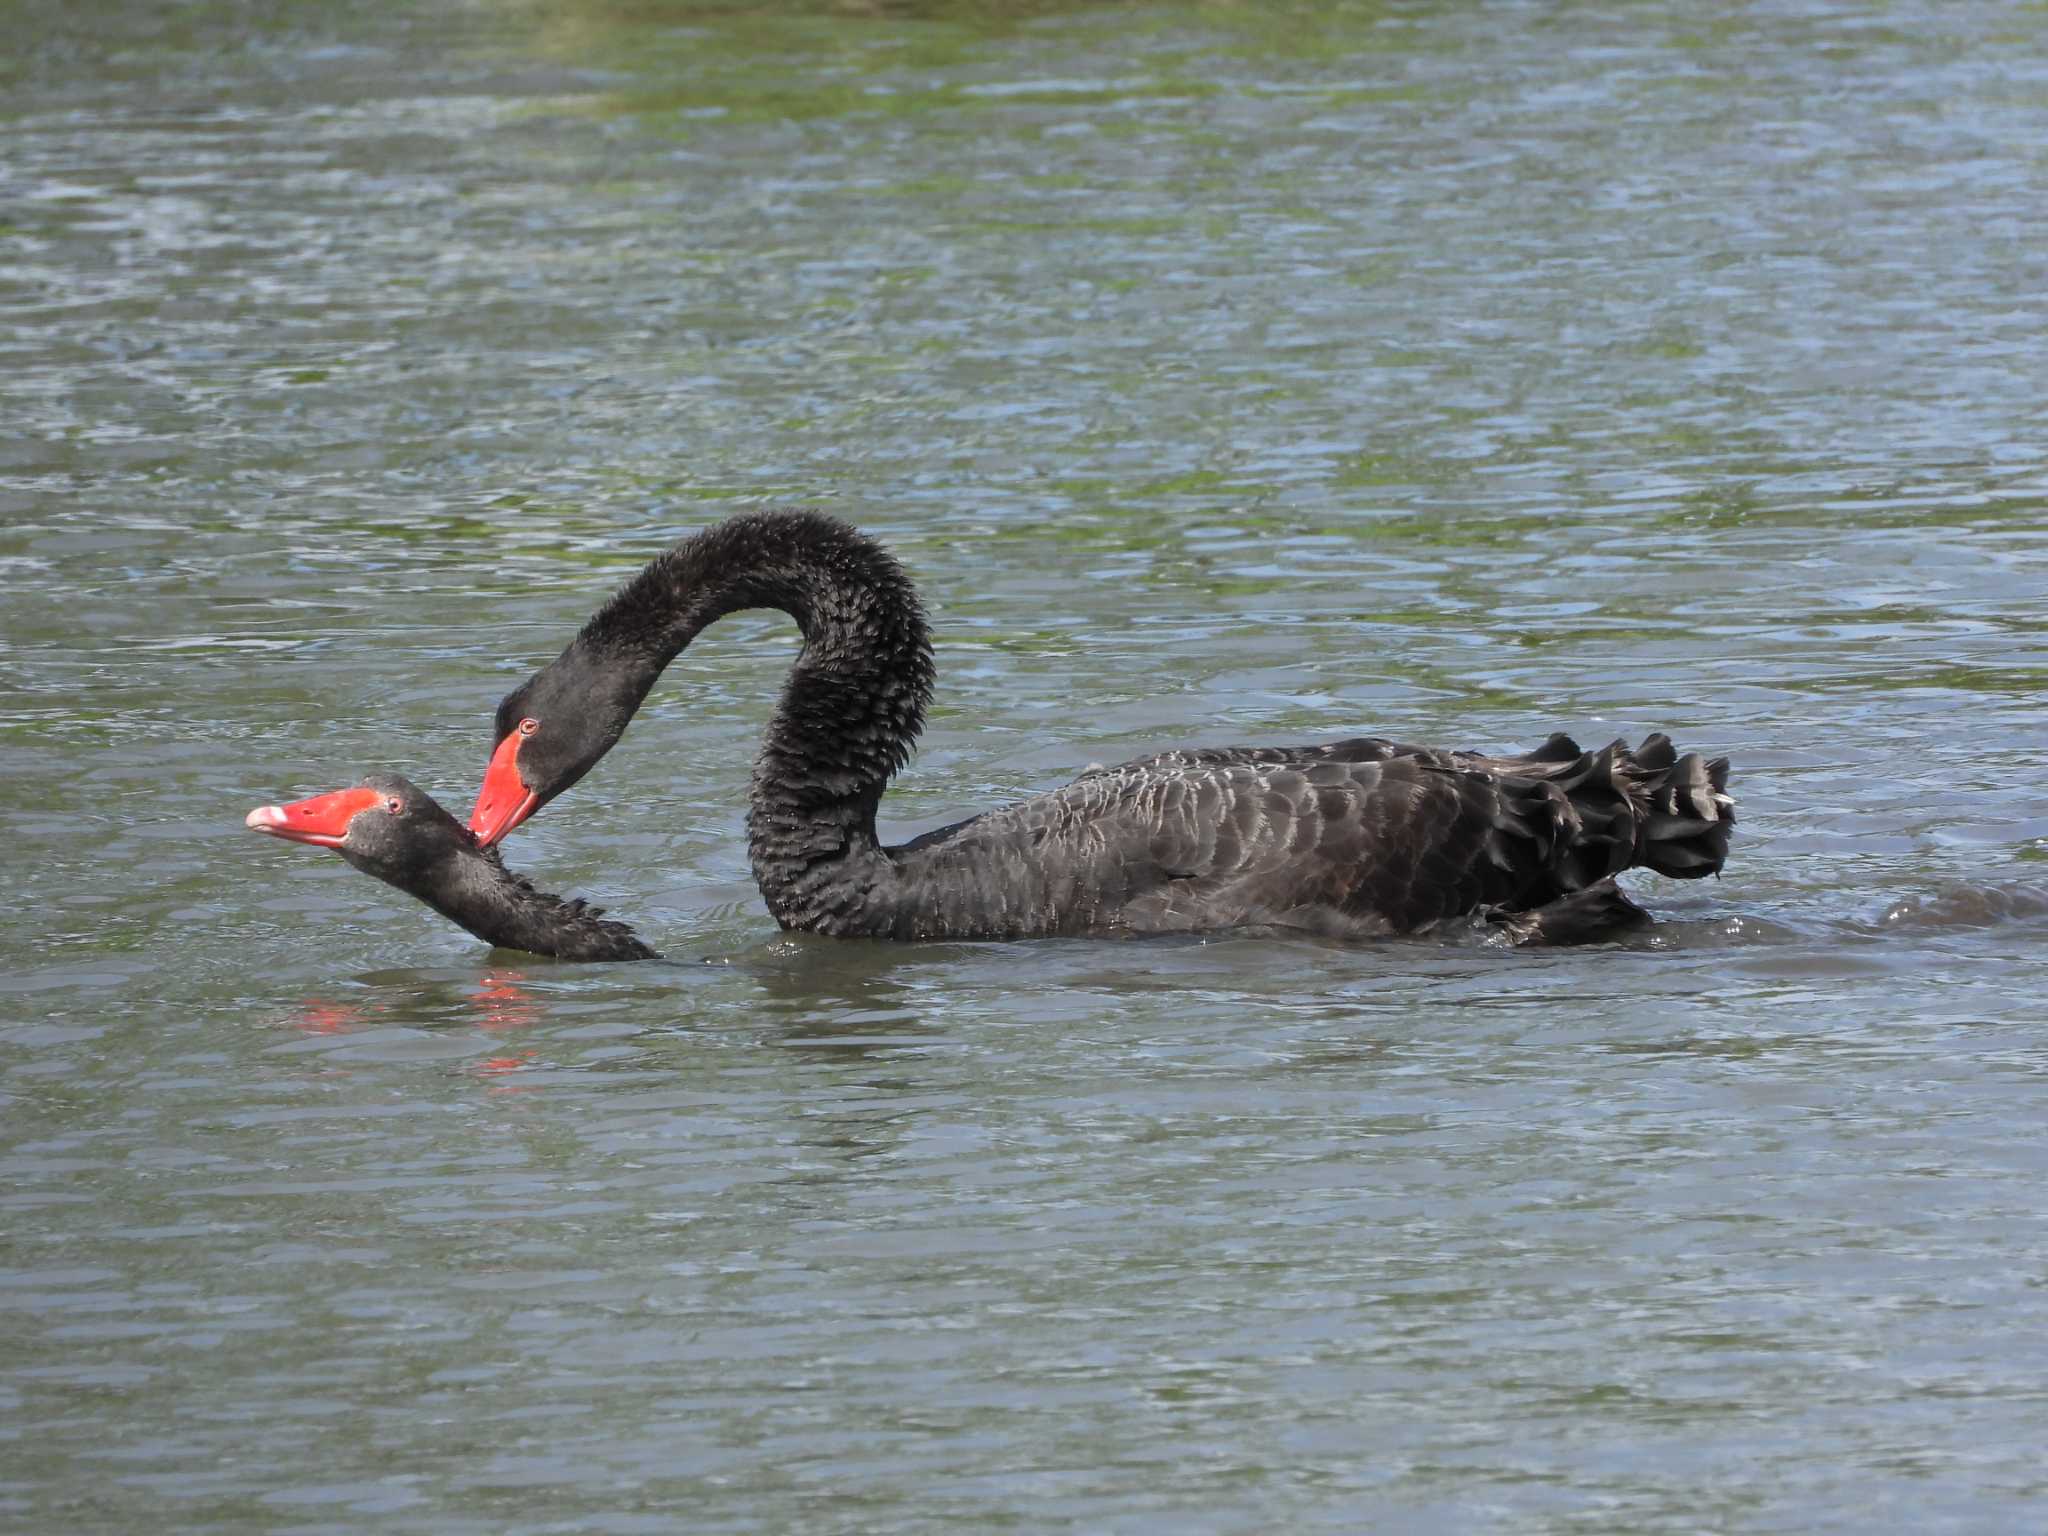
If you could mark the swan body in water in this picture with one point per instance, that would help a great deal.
(1359, 837)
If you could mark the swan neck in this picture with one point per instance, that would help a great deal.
(472, 888)
(850, 713)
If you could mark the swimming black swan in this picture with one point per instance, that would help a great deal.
(390, 828)
(1357, 837)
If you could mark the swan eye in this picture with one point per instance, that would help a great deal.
(394, 805)
(528, 726)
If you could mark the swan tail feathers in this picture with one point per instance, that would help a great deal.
(1688, 818)
(1648, 806)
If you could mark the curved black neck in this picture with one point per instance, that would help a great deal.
(854, 703)
(472, 888)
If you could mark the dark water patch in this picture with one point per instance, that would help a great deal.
(1964, 906)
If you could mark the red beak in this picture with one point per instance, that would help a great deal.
(322, 821)
(504, 801)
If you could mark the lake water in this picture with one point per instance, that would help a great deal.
(1223, 374)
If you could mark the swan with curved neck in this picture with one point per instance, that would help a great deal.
(1364, 836)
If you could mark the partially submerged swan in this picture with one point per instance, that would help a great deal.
(388, 827)
(1357, 837)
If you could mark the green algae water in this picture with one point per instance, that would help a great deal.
(1222, 374)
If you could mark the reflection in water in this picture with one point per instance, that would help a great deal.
(317, 1018)
(503, 1003)
(1960, 905)
(852, 997)
(500, 1065)
(498, 1001)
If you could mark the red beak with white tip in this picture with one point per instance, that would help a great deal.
(322, 821)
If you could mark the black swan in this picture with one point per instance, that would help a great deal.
(1358, 837)
(390, 828)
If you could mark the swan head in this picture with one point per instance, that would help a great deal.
(386, 826)
(550, 731)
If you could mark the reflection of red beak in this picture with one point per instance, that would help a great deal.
(502, 1003)
(322, 821)
(504, 801)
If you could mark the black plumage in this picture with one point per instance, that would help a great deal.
(1356, 837)
(410, 841)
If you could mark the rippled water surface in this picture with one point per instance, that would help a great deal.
(1459, 372)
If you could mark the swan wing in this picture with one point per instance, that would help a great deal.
(1361, 846)
(1389, 845)
(1353, 837)
(1552, 757)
